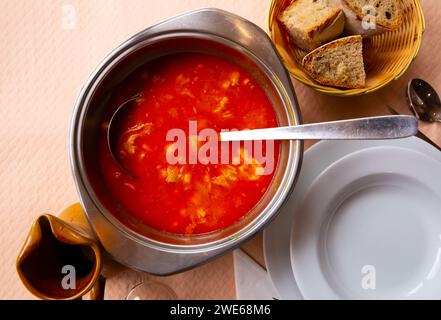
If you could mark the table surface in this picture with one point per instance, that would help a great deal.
(45, 58)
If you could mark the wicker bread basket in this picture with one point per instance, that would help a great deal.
(387, 56)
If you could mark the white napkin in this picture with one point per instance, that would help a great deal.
(252, 281)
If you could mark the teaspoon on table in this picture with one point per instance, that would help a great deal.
(424, 101)
(419, 134)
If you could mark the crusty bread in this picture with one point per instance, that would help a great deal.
(338, 63)
(388, 15)
(311, 23)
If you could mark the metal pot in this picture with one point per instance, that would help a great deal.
(209, 31)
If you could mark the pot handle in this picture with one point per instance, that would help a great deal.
(228, 26)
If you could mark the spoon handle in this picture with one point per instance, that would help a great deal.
(373, 128)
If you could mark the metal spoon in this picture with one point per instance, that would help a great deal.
(385, 127)
(112, 131)
(424, 101)
(419, 134)
(373, 128)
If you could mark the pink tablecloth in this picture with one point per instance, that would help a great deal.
(45, 56)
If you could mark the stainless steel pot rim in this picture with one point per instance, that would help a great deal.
(77, 162)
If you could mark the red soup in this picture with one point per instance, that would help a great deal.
(187, 197)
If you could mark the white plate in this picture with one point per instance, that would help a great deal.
(369, 228)
(316, 159)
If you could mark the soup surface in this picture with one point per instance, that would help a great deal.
(187, 197)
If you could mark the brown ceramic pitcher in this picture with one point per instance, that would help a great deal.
(61, 258)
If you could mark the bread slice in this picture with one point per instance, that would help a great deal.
(338, 63)
(310, 23)
(388, 15)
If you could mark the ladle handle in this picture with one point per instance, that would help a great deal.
(373, 128)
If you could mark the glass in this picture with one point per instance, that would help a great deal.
(151, 290)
